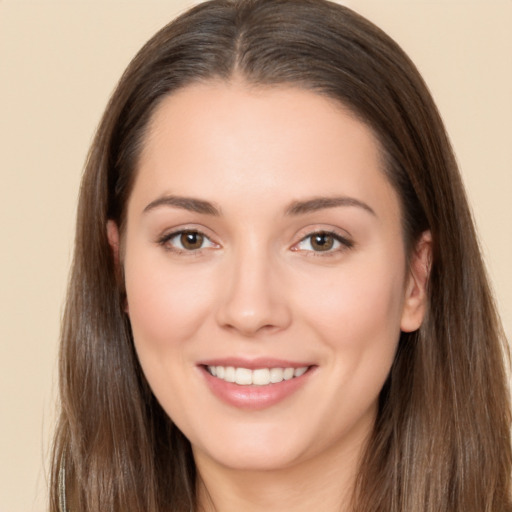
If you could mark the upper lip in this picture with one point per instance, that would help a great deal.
(254, 364)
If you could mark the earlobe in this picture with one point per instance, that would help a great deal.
(415, 301)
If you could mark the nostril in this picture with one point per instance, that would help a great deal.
(252, 301)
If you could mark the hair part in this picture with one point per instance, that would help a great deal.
(442, 437)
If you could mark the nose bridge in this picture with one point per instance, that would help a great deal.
(253, 298)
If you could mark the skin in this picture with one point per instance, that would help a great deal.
(257, 287)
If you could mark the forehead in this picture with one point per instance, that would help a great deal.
(227, 139)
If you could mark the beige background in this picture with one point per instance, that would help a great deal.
(59, 61)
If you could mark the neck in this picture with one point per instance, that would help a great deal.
(325, 482)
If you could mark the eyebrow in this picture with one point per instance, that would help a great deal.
(186, 203)
(295, 208)
(321, 203)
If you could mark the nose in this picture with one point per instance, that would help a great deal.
(254, 296)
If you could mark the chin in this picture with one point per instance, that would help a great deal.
(251, 458)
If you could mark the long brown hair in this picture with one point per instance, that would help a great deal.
(441, 441)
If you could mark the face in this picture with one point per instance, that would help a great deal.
(265, 273)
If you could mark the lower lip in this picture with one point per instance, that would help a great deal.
(254, 397)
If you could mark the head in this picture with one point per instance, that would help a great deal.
(268, 48)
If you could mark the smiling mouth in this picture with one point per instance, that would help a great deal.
(256, 377)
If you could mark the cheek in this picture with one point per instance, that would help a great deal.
(357, 318)
(165, 305)
(359, 310)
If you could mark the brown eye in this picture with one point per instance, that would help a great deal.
(186, 241)
(191, 240)
(322, 241)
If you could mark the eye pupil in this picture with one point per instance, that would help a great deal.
(190, 240)
(322, 241)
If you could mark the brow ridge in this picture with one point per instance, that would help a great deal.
(186, 203)
(320, 203)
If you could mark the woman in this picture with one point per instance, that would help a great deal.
(277, 297)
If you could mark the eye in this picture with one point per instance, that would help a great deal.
(186, 241)
(323, 241)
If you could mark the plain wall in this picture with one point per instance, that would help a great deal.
(59, 61)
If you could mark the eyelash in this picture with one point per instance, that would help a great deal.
(344, 243)
(166, 241)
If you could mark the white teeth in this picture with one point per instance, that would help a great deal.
(288, 373)
(276, 375)
(243, 376)
(261, 377)
(258, 377)
(299, 371)
(229, 374)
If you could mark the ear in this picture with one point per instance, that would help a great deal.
(113, 240)
(415, 300)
